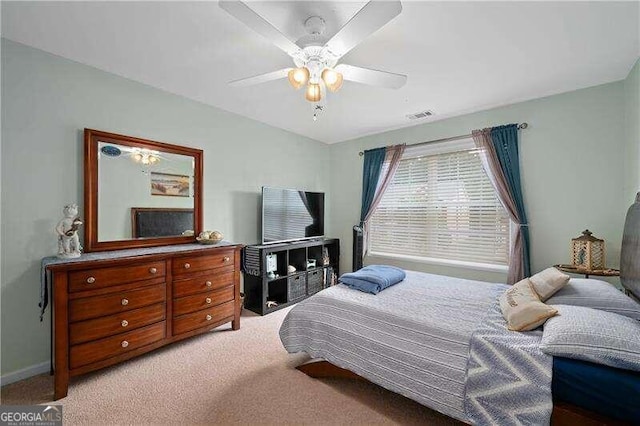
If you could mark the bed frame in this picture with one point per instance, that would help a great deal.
(563, 414)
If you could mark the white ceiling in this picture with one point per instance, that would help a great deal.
(459, 56)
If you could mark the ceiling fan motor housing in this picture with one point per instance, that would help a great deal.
(315, 25)
(316, 59)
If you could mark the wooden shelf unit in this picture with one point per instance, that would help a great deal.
(286, 289)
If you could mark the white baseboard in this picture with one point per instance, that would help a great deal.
(25, 373)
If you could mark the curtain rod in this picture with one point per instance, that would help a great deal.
(454, 138)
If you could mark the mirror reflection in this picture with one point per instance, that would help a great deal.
(143, 193)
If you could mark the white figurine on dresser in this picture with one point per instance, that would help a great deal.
(67, 230)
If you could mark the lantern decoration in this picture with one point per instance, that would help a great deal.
(587, 252)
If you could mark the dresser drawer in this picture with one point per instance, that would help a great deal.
(98, 306)
(87, 353)
(187, 264)
(184, 305)
(202, 283)
(98, 328)
(202, 318)
(105, 277)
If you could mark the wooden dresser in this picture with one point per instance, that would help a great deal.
(109, 307)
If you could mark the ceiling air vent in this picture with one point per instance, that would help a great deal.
(421, 114)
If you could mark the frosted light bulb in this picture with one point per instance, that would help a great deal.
(299, 76)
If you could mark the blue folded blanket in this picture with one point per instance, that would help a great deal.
(373, 278)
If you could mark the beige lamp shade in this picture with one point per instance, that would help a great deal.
(587, 252)
(313, 93)
(298, 77)
(332, 79)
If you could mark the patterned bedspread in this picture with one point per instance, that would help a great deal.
(508, 376)
(412, 338)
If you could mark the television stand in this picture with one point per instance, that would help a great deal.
(267, 291)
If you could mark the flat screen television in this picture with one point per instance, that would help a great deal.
(289, 215)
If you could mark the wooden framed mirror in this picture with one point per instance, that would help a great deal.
(139, 193)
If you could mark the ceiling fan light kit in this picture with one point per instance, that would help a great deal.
(315, 57)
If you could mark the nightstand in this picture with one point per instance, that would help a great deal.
(586, 272)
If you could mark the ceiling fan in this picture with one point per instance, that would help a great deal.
(315, 56)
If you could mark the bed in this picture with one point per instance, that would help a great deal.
(424, 337)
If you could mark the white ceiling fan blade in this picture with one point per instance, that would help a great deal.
(262, 78)
(372, 77)
(373, 16)
(257, 23)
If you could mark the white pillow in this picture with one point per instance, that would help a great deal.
(593, 335)
(596, 294)
(547, 282)
(522, 308)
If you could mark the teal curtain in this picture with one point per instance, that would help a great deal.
(373, 161)
(505, 142)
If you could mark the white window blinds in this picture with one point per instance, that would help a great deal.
(441, 206)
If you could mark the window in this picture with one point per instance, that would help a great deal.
(441, 207)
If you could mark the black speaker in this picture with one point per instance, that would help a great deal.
(357, 248)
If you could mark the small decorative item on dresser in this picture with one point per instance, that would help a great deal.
(67, 230)
(210, 237)
(587, 252)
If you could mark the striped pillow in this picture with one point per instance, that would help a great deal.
(593, 335)
(596, 294)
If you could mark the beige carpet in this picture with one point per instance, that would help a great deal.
(242, 377)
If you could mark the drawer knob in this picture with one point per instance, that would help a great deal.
(124, 323)
(153, 270)
(187, 265)
(209, 283)
(226, 258)
(208, 300)
(125, 302)
(208, 317)
(124, 344)
(91, 280)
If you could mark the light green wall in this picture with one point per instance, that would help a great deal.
(632, 132)
(46, 103)
(571, 164)
(573, 168)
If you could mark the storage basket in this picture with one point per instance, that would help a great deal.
(315, 281)
(297, 287)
